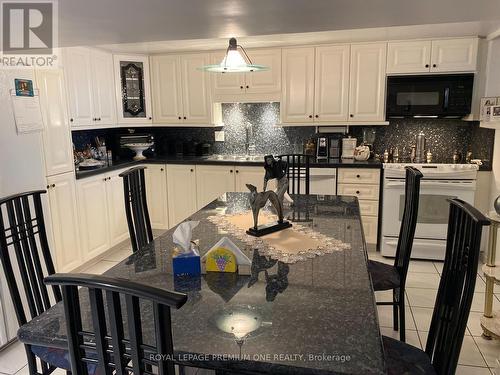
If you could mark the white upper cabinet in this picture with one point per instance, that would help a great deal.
(89, 77)
(253, 86)
(103, 88)
(367, 82)
(331, 84)
(58, 150)
(422, 56)
(409, 57)
(79, 80)
(181, 91)
(454, 55)
(196, 98)
(266, 81)
(297, 104)
(166, 88)
(133, 100)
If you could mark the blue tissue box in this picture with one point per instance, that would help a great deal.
(186, 265)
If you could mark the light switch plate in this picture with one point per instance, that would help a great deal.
(219, 136)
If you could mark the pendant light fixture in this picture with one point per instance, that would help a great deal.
(234, 61)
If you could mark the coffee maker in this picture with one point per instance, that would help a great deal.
(322, 148)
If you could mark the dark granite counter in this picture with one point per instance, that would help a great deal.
(319, 318)
(208, 160)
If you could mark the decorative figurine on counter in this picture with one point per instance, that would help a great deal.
(276, 169)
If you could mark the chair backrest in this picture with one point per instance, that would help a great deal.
(408, 222)
(456, 289)
(116, 342)
(297, 172)
(25, 255)
(136, 207)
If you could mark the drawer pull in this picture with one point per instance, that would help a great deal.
(358, 176)
(357, 191)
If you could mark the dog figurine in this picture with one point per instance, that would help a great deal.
(259, 200)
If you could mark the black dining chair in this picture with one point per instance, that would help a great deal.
(121, 340)
(26, 260)
(393, 277)
(136, 207)
(298, 172)
(453, 301)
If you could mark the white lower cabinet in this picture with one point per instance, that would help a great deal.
(370, 227)
(64, 216)
(118, 227)
(212, 181)
(156, 193)
(101, 207)
(93, 216)
(249, 175)
(181, 192)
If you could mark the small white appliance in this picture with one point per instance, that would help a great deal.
(439, 183)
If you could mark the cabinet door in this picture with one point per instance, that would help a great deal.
(181, 192)
(331, 84)
(408, 57)
(370, 226)
(298, 85)
(57, 146)
(226, 83)
(93, 216)
(79, 82)
(249, 175)
(212, 181)
(454, 55)
(196, 99)
(64, 220)
(118, 227)
(156, 192)
(267, 81)
(166, 89)
(103, 88)
(367, 82)
(133, 93)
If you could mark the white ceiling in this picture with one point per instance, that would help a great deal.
(140, 22)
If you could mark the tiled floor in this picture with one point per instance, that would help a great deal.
(478, 356)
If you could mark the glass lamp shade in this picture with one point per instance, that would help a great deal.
(234, 62)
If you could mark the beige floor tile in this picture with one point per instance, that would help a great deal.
(422, 280)
(474, 323)
(470, 354)
(490, 350)
(385, 317)
(478, 302)
(12, 358)
(411, 336)
(100, 267)
(386, 296)
(418, 297)
(422, 316)
(422, 266)
(118, 255)
(480, 285)
(439, 266)
(472, 370)
(25, 371)
(373, 255)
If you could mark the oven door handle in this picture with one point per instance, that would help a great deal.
(449, 185)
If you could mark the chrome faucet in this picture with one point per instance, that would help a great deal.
(249, 142)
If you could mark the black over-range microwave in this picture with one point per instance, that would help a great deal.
(434, 96)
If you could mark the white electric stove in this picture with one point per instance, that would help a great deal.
(440, 182)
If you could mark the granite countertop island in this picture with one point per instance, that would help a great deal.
(316, 316)
(223, 160)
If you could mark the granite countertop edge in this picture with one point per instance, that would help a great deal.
(331, 163)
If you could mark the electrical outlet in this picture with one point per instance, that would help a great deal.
(219, 136)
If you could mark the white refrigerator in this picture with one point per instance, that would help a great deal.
(21, 169)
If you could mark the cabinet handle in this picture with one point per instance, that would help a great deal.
(237, 171)
(185, 118)
(150, 118)
(426, 65)
(98, 119)
(357, 191)
(310, 116)
(434, 65)
(192, 170)
(230, 171)
(248, 87)
(161, 169)
(48, 187)
(358, 176)
(241, 87)
(351, 115)
(70, 120)
(316, 116)
(94, 119)
(105, 178)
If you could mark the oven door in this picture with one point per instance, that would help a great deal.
(433, 210)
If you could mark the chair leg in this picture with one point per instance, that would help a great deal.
(32, 367)
(402, 328)
(395, 309)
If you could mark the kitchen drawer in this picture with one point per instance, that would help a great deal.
(360, 191)
(359, 176)
(370, 226)
(368, 208)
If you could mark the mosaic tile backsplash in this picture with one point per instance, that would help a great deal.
(443, 136)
